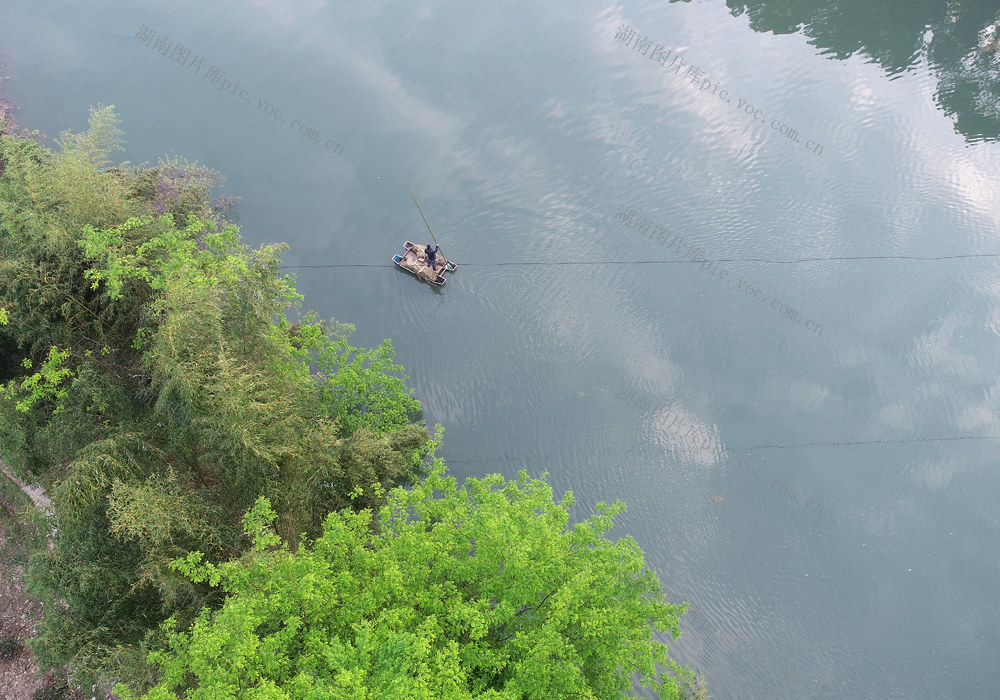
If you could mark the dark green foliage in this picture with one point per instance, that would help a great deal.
(364, 464)
(45, 199)
(91, 582)
(152, 382)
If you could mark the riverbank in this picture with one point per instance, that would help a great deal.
(21, 528)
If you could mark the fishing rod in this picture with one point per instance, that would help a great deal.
(425, 223)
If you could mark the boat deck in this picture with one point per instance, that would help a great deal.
(414, 260)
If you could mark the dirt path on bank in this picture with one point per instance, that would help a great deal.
(19, 612)
(36, 493)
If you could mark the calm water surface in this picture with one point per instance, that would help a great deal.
(808, 449)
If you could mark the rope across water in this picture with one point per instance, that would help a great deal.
(770, 261)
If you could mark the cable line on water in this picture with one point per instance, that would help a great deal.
(718, 260)
(735, 450)
(771, 261)
(870, 442)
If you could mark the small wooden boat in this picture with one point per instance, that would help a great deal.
(414, 261)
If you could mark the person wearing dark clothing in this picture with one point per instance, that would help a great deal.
(432, 252)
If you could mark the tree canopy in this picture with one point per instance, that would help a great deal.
(153, 381)
(479, 591)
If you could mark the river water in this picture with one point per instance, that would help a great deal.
(805, 430)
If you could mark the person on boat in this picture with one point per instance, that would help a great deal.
(431, 256)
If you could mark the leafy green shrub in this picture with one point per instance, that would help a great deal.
(479, 591)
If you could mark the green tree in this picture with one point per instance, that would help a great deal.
(364, 388)
(234, 413)
(151, 382)
(479, 591)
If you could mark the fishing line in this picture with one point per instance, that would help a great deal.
(771, 261)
